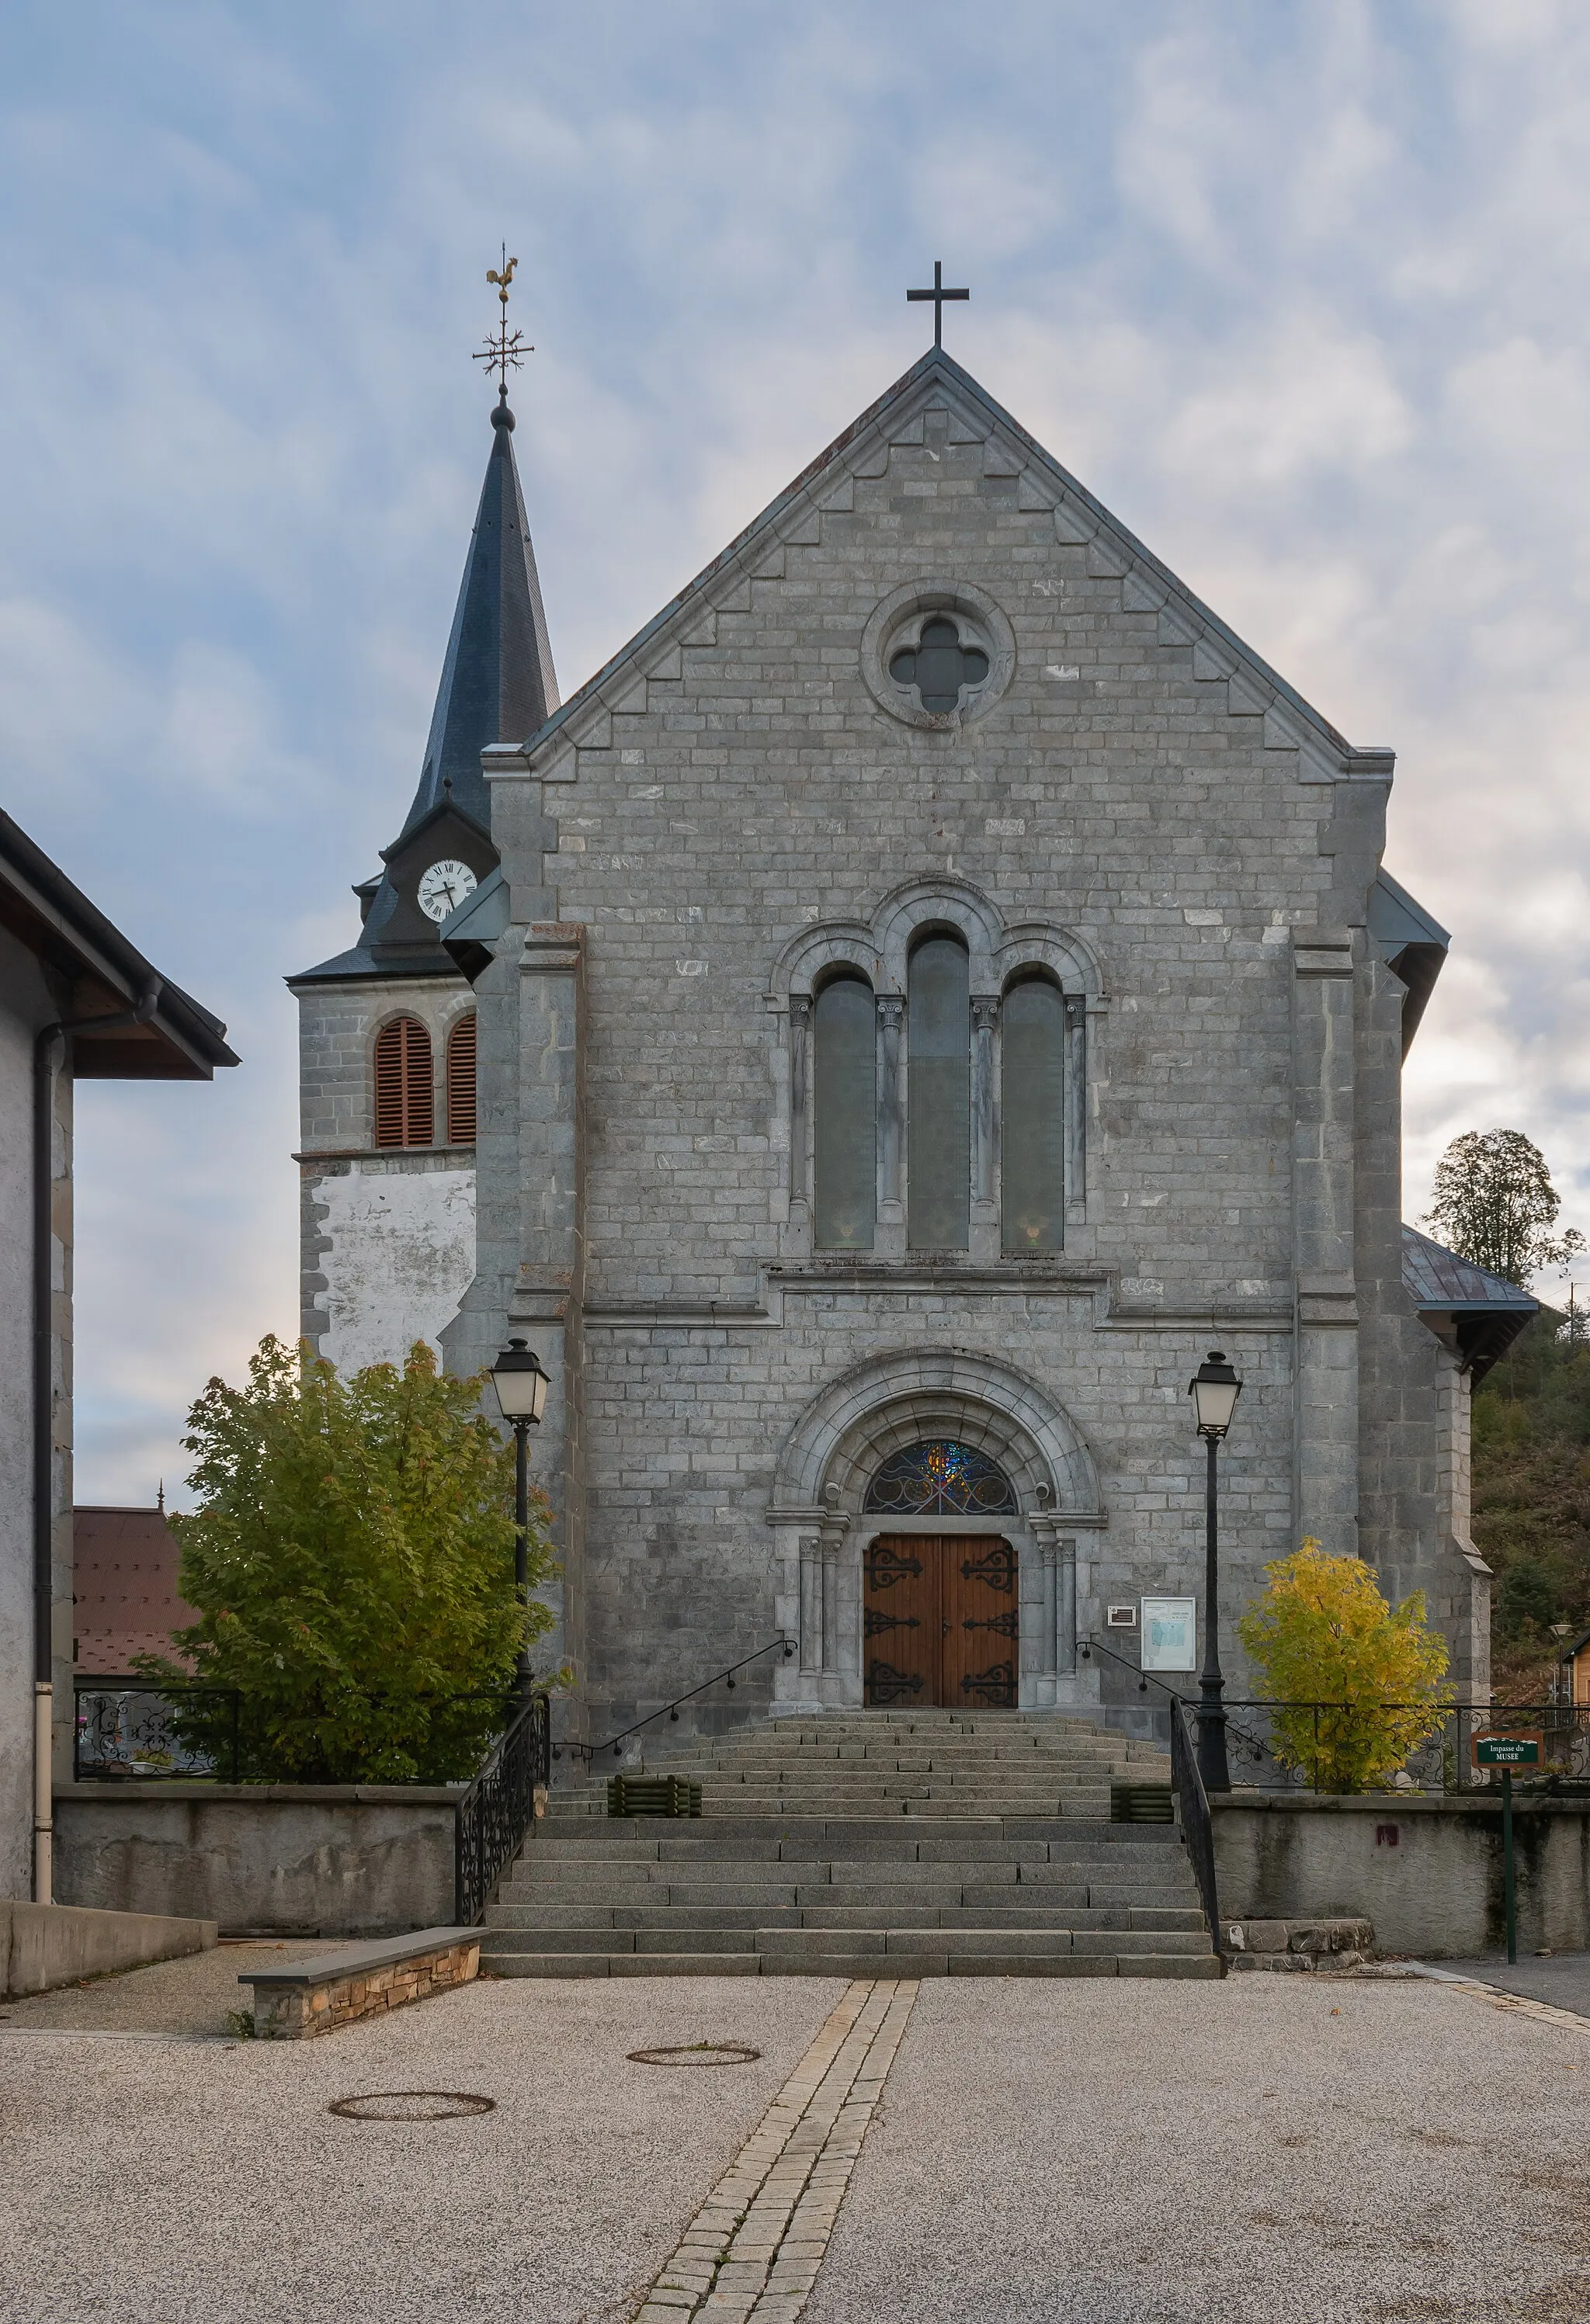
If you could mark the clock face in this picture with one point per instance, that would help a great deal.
(444, 887)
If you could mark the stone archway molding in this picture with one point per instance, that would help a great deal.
(899, 1397)
(880, 948)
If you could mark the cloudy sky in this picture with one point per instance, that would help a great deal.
(1297, 287)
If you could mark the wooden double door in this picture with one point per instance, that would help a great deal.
(941, 1621)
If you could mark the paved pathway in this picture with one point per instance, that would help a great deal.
(1560, 1978)
(1266, 2151)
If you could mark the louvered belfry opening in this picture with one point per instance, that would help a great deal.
(461, 1082)
(405, 1102)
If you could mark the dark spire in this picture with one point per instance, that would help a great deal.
(497, 683)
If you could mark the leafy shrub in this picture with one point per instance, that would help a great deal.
(1323, 1634)
(352, 1564)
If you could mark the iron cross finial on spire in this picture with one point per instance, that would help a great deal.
(509, 347)
(938, 294)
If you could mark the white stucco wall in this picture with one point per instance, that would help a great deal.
(397, 1254)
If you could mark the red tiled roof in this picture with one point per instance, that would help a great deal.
(125, 1595)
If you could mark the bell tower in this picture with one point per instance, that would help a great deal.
(387, 1029)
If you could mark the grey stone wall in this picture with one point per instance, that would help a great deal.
(313, 1860)
(1194, 848)
(382, 1264)
(1427, 1872)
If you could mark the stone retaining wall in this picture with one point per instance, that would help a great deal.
(1425, 1871)
(261, 1860)
(46, 1945)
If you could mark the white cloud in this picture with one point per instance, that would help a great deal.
(1301, 294)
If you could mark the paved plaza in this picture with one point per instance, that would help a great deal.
(1105, 2150)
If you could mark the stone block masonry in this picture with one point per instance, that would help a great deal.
(365, 1982)
(744, 804)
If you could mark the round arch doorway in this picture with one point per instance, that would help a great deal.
(940, 1610)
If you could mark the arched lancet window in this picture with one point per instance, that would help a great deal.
(938, 1113)
(461, 1082)
(940, 1478)
(405, 1099)
(1033, 1111)
(845, 1096)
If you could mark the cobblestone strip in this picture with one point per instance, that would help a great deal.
(751, 2252)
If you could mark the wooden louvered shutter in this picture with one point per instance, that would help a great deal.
(461, 1082)
(404, 1102)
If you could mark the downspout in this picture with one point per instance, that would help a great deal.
(49, 1046)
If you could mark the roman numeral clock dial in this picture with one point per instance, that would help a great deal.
(444, 887)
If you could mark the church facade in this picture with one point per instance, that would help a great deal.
(930, 987)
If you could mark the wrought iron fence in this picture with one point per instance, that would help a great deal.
(497, 1811)
(1292, 1758)
(136, 1731)
(1442, 1762)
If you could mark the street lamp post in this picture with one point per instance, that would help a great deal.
(1213, 1388)
(521, 1383)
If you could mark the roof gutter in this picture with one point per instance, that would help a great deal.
(49, 1049)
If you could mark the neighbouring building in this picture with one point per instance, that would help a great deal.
(927, 988)
(126, 1600)
(77, 1002)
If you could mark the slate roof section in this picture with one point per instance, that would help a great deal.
(1412, 943)
(497, 683)
(1482, 1313)
(497, 680)
(173, 1039)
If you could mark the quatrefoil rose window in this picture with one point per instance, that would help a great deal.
(942, 667)
(938, 657)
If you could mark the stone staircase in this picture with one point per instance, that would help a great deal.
(873, 1844)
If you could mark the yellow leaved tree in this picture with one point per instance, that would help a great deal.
(1356, 1681)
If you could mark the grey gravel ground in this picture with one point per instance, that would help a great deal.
(1561, 1979)
(1266, 2151)
(168, 2181)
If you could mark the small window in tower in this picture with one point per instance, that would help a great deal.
(461, 1082)
(405, 1101)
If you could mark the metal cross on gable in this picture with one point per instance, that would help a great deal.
(508, 348)
(938, 294)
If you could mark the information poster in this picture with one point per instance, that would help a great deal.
(1169, 1634)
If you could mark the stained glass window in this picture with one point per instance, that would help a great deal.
(846, 1091)
(1033, 1141)
(940, 666)
(940, 1478)
(939, 1111)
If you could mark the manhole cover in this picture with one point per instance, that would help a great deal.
(409, 2106)
(698, 2053)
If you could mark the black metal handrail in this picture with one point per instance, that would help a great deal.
(1197, 1830)
(495, 1813)
(671, 1710)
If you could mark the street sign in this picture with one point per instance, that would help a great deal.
(1507, 1750)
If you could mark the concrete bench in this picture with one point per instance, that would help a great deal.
(359, 1981)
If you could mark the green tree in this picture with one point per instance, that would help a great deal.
(1531, 1501)
(1323, 1634)
(1495, 1203)
(352, 1564)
